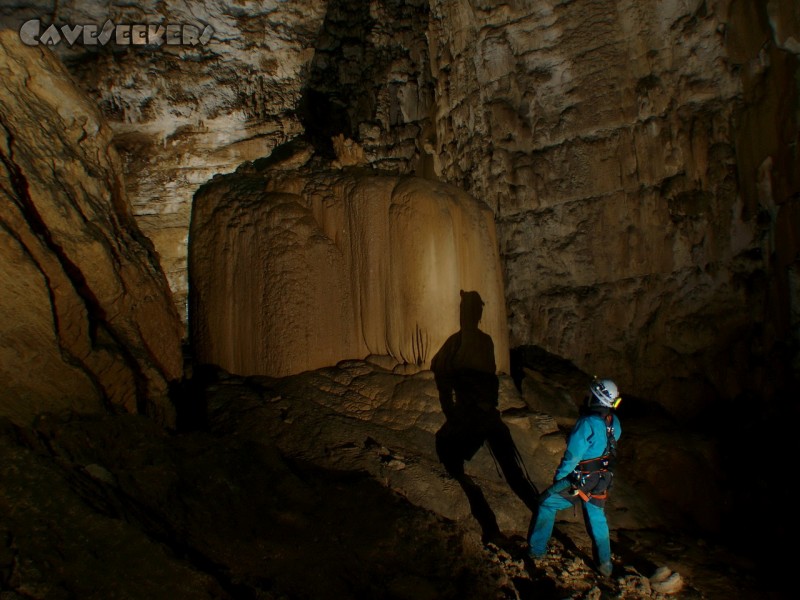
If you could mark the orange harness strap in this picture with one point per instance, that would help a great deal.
(586, 497)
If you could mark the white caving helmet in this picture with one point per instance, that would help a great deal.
(604, 393)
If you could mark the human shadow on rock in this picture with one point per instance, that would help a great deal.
(464, 369)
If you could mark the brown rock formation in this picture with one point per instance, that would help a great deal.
(181, 113)
(622, 145)
(271, 71)
(86, 317)
(640, 155)
(283, 485)
(294, 272)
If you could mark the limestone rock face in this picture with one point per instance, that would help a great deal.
(184, 113)
(272, 70)
(640, 161)
(291, 271)
(398, 416)
(287, 471)
(640, 155)
(86, 317)
(370, 81)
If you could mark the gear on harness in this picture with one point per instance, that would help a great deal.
(592, 478)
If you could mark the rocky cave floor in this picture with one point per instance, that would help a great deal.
(116, 507)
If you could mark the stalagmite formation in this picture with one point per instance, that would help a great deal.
(86, 317)
(291, 272)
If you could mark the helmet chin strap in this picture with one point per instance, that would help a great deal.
(593, 401)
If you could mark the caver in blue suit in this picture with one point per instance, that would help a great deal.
(584, 475)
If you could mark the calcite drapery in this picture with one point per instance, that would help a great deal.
(296, 272)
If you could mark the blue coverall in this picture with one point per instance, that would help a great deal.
(587, 440)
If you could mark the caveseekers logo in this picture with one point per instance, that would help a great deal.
(33, 33)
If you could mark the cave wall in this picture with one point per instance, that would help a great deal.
(641, 157)
(87, 321)
(369, 81)
(272, 71)
(180, 113)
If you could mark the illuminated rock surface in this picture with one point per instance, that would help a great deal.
(86, 318)
(291, 272)
(639, 158)
(182, 114)
(638, 155)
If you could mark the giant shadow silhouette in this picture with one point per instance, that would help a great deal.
(465, 374)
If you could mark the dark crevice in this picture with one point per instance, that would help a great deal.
(67, 356)
(351, 68)
(330, 106)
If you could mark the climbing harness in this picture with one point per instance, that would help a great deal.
(592, 478)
